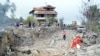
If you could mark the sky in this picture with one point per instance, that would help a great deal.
(67, 9)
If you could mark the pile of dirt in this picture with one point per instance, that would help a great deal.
(14, 37)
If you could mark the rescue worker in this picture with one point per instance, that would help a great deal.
(73, 43)
(76, 41)
(64, 34)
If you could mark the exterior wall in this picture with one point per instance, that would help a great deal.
(40, 20)
(35, 20)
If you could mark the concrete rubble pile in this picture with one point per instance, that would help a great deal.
(46, 42)
(20, 37)
(90, 38)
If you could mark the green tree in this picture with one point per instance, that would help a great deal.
(92, 14)
(61, 22)
(13, 9)
(21, 19)
(52, 19)
(29, 19)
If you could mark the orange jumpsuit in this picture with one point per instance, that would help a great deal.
(78, 38)
(75, 41)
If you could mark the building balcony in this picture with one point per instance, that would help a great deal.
(41, 18)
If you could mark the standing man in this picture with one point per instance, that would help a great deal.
(29, 23)
(64, 34)
(17, 24)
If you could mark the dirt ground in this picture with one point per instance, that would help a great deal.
(53, 46)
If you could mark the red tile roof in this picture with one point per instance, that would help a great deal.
(42, 10)
(39, 9)
(50, 6)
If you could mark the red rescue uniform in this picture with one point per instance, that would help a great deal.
(78, 39)
(75, 41)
